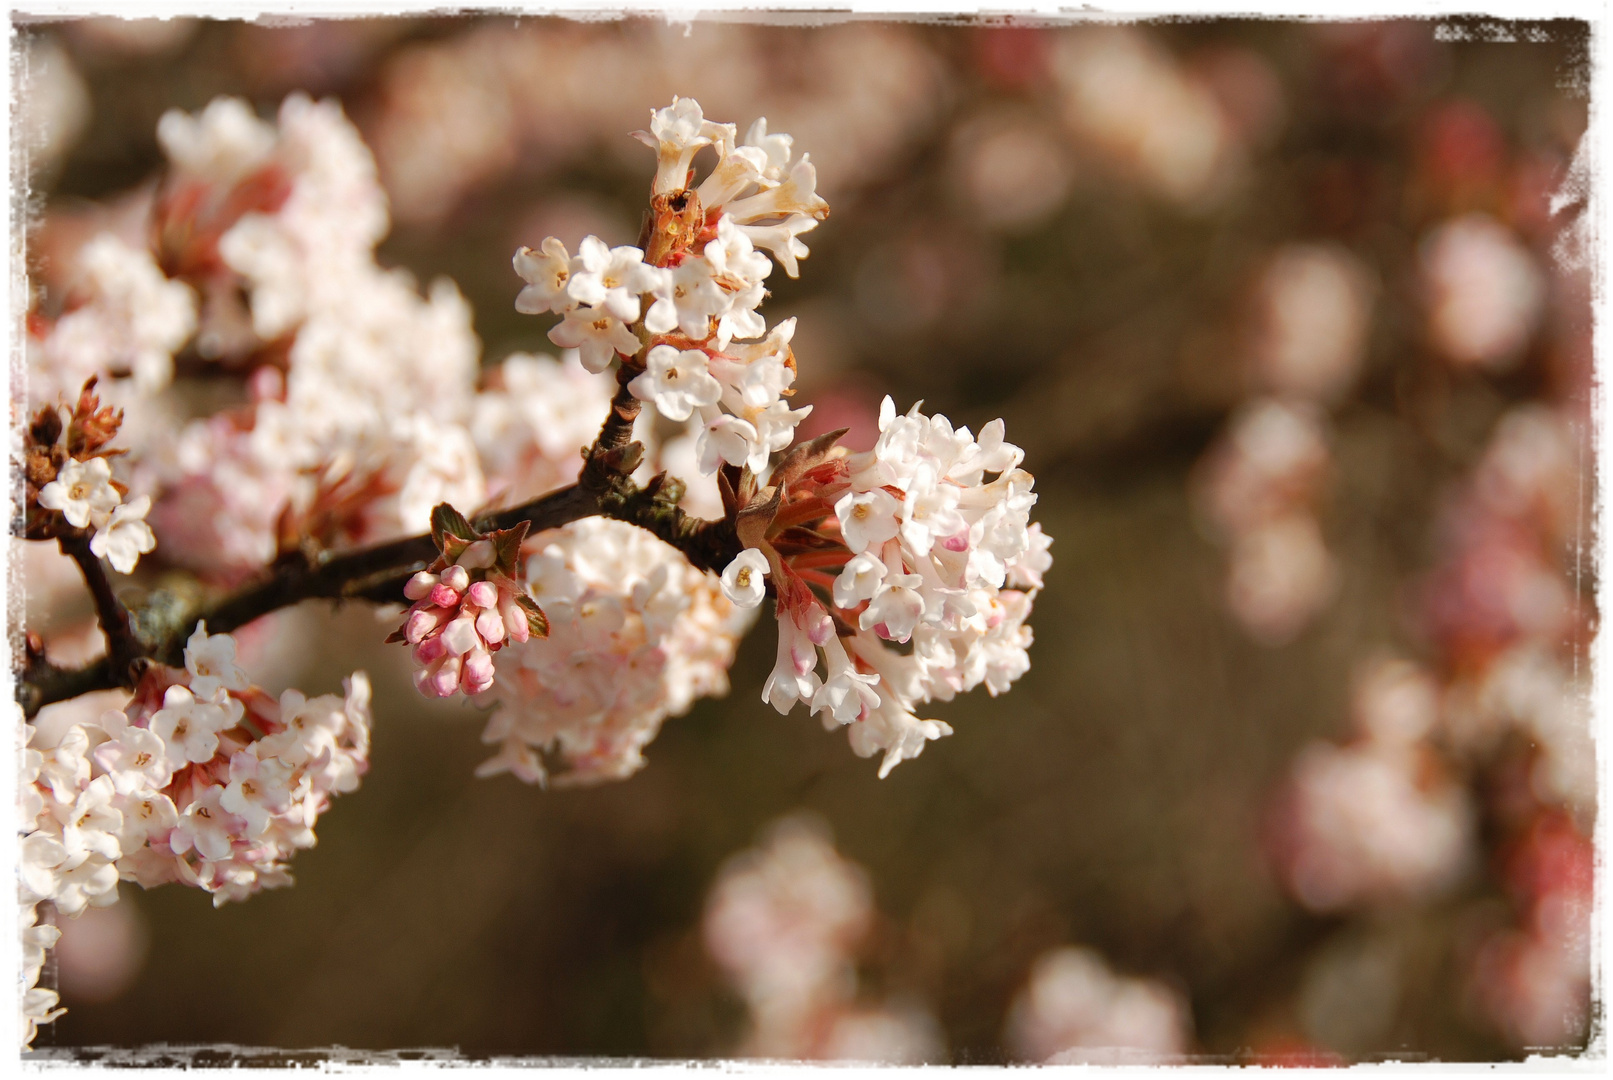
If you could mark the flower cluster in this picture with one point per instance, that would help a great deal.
(1377, 820)
(123, 320)
(467, 606)
(360, 390)
(785, 921)
(1534, 979)
(68, 470)
(909, 543)
(200, 778)
(1484, 292)
(1261, 486)
(1074, 1010)
(1502, 607)
(687, 298)
(636, 634)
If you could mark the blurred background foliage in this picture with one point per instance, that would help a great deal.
(1063, 226)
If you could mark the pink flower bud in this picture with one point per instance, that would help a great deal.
(444, 596)
(484, 594)
(490, 625)
(456, 578)
(479, 556)
(821, 630)
(959, 542)
(419, 587)
(478, 673)
(422, 623)
(445, 680)
(461, 635)
(433, 648)
(514, 619)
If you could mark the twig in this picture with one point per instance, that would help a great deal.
(377, 574)
(123, 647)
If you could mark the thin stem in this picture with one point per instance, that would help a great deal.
(123, 647)
(378, 573)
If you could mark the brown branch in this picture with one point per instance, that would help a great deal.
(123, 647)
(378, 573)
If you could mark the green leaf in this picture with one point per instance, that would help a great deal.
(507, 547)
(536, 621)
(453, 547)
(445, 522)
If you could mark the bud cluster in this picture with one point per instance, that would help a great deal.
(467, 606)
(68, 470)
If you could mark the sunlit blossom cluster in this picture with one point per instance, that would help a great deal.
(698, 296)
(200, 778)
(1261, 488)
(1377, 820)
(924, 541)
(1075, 1010)
(360, 388)
(359, 413)
(786, 922)
(636, 635)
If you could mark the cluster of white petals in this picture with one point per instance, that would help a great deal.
(1485, 293)
(934, 556)
(636, 634)
(201, 778)
(1075, 1010)
(1257, 489)
(694, 306)
(365, 421)
(785, 921)
(533, 419)
(124, 318)
(1376, 820)
(84, 493)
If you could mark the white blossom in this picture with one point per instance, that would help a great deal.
(611, 279)
(742, 580)
(82, 490)
(676, 382)
(189, 726)
(547, 277)
(125, 536)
